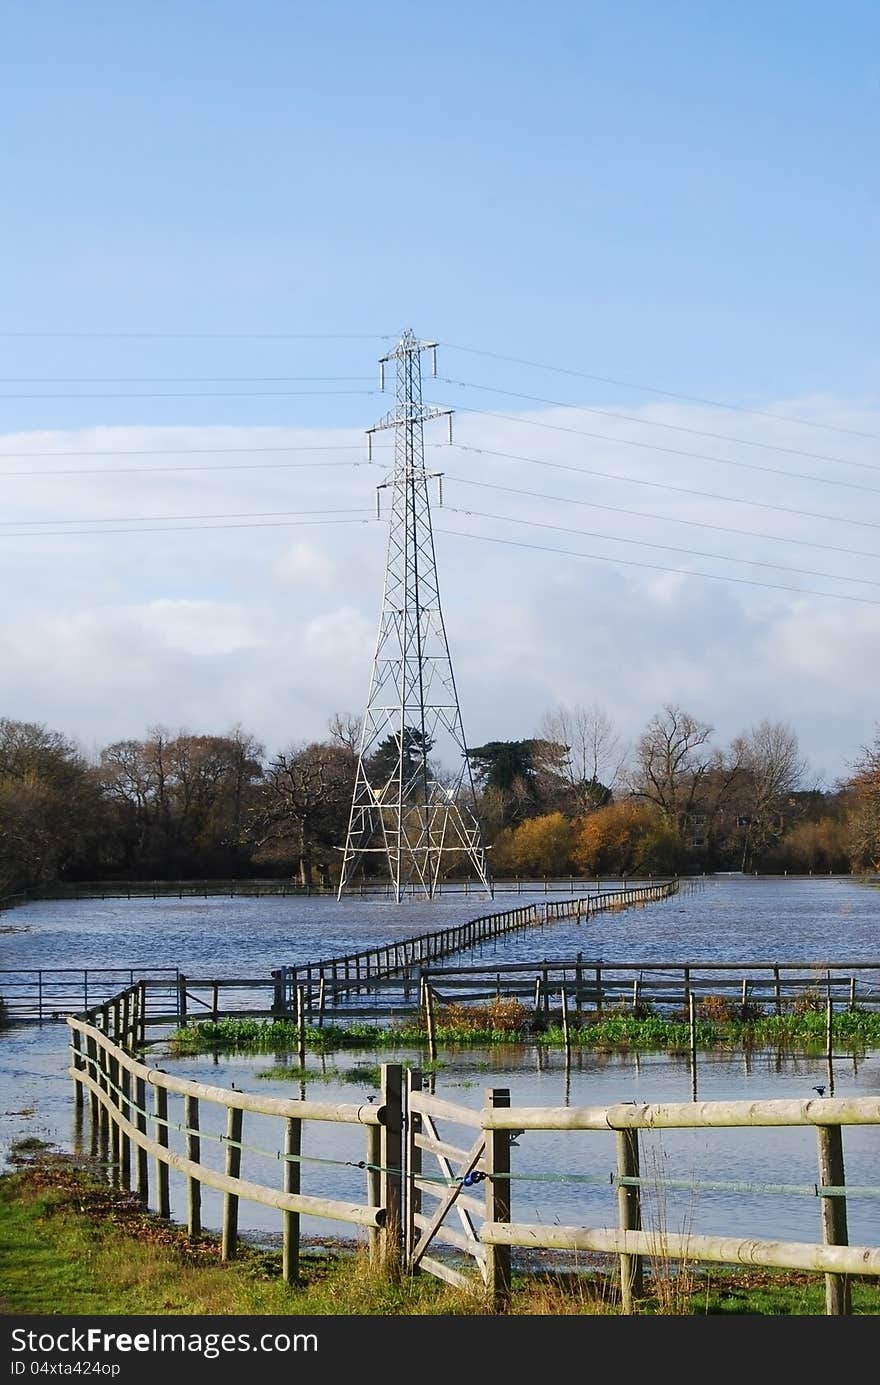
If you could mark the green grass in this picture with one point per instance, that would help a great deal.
(361, 1075)
(72, 1245)
(621, 1030)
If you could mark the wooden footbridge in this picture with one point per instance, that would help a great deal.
(44, 994)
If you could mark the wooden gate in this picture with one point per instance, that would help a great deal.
(439, 1178)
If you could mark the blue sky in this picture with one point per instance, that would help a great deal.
(681, 195)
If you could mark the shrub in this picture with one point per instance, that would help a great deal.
(499, 1016)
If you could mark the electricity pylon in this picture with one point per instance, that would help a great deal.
(421, 820)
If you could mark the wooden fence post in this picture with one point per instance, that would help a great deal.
(629, 1210)
(115, 1128)
(497, 1165)
(838, 1296)
(432, 1032)
(181, 1000)
(103, 1114)
(292, 1181)
(78, 1089)
(301, 1025)
(229, 1242)
(143, 1162)
(160, 1112)
(193, 1152)
(124, 1139)
(278, 989)
(374, 1187)
(413, 1198)
(92, 1069)
(392, 1166)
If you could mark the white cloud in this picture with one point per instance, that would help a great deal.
(273, 624)
(305, 564)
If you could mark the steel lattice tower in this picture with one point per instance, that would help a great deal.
(400, 808)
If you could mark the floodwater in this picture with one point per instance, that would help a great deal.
(758, 1182)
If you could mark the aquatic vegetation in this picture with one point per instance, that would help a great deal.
(510, 1022)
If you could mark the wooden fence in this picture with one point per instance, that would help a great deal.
(316, 984)
(489, 1228)
(267, 887)
(407, 1206)
(42, 994)
(376, 965)
(128, 1134)
(662, 987)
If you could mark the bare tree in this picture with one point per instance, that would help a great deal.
(594, 753)
(303, 809)
(345, 730)
(180, 800)
(863, 818)
(772, 770)
(51, 812)
(673, 762)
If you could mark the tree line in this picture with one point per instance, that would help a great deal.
(572, 799)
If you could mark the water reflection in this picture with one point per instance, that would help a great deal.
(558, 1177)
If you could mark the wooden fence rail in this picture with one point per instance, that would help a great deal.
(662, 986)
(116, 1085)
(359, 970)
(588, 988)
(405, 1130)
(44, 995)
(489, 1160)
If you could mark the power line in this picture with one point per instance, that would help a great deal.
(665, 519)
(667, 486)
(658, 567)
(672, 451)
(210, 336)
(177, 379)
(161, 519)
(174, 470)
(196, 394)
(665, 547)
(196, 528)
(192, 451)
(180, 452)
(668, 394)
(660, 423)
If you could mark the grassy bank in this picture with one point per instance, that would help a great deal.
(718, 1025)
(71, 1244)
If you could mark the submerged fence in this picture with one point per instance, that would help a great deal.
(662, 987)
(39, 994)
(408, 1205)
